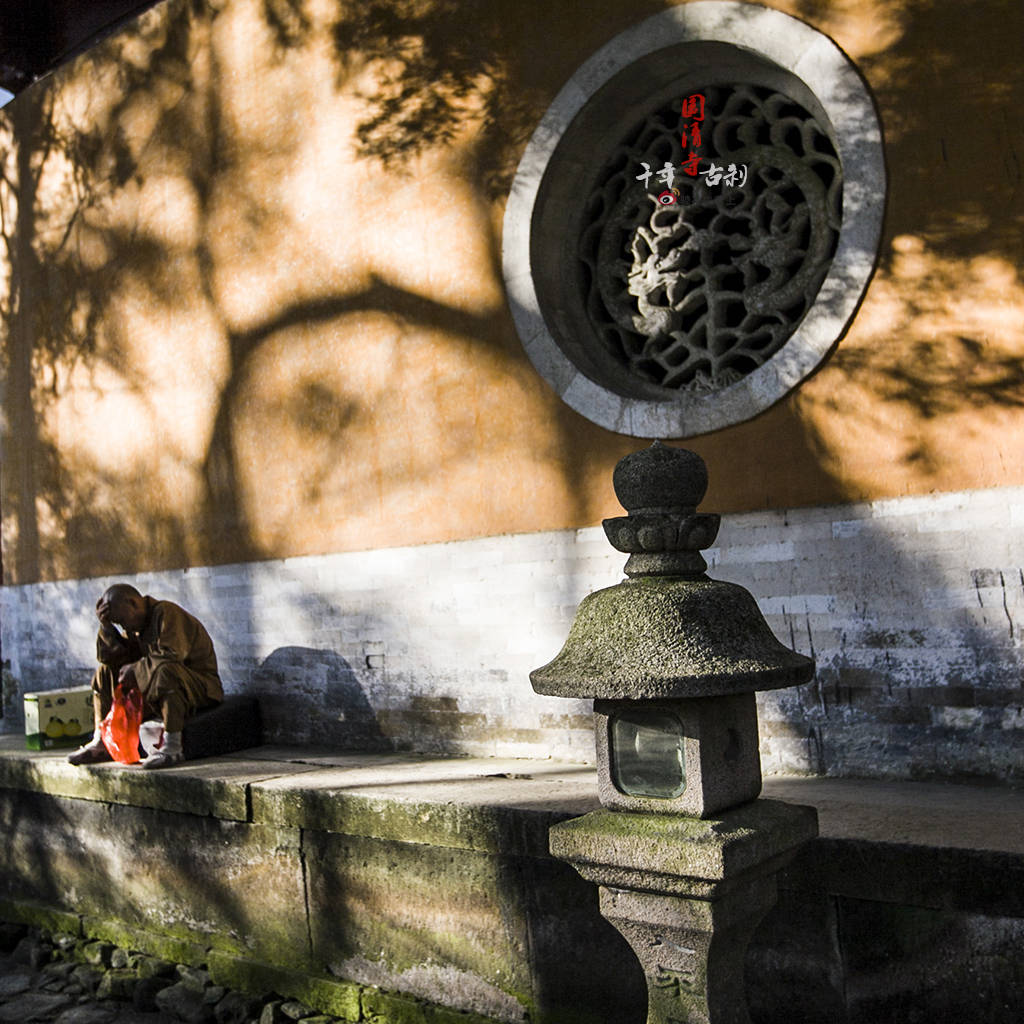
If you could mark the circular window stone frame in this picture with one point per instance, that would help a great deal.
(761, 38)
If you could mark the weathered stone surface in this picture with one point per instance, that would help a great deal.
(167, 947)
(32, 951)
(562, 915)
(669, 633)
(32, 1006)
(687, 894)
(117, 983)
(89, 1013)
(688, 856)
(660, 478)
(338, 998)
(58, 970)
(295, 1010)
(12, 984)
(185, 1002)
(656, 637)
(154, 967)
(461, 803)
(692, 950)
(386, 1008)
(42, 915)
(455, 932)
(600, 979)
(442, 1015)
(273, 1013)
(87, 977)
(97, 953)
(216, 787)
(145, 993)
(93, 852)
(194, 977)
(236, 1008)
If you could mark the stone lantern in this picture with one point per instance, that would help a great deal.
(684, 853)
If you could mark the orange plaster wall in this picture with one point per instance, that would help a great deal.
(249, 336)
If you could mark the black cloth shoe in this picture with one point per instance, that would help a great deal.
(89, 754)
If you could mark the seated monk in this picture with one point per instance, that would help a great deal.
(166, 654)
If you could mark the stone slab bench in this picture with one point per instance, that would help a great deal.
(429, 878)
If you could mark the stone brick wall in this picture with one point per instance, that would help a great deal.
(913, 608)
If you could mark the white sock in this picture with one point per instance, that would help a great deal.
(151, 735)
(171, 744)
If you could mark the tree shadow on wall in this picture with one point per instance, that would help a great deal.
(967, 241)
(429, 73)
(65, 266)
(948, 277)
(161, 121)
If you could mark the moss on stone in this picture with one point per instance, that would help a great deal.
(658, 637)
(164, 945)
(453, 825)
(381, 1007)
(338, 998)
(384, 1008)
(735, 840)
(47, 918)
(443, 1015)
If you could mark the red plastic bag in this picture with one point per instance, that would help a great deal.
(120, 729)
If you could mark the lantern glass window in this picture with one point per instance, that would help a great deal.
(646, 754)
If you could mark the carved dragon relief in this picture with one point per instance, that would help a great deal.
(696, 295)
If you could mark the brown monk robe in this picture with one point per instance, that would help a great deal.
(166, 653)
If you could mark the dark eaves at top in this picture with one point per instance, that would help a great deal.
(37, 36)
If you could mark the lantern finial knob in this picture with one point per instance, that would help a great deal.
(660, 479)
(664, 533)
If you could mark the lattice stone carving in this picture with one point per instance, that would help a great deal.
(696, 295)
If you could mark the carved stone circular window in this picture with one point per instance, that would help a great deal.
(695, 219)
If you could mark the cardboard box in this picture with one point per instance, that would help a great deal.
(58, 718)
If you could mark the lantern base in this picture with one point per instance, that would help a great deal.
(687, 895)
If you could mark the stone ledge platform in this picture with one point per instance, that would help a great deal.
(319, 874)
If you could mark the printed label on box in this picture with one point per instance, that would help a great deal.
(58, 718)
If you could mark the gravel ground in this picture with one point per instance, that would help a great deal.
(48, 978)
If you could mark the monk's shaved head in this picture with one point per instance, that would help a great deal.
(124, 605)
(119, 592)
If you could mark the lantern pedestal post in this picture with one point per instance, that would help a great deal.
(684, 853)
(687, 894)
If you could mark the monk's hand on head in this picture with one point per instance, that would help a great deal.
(103, 614)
